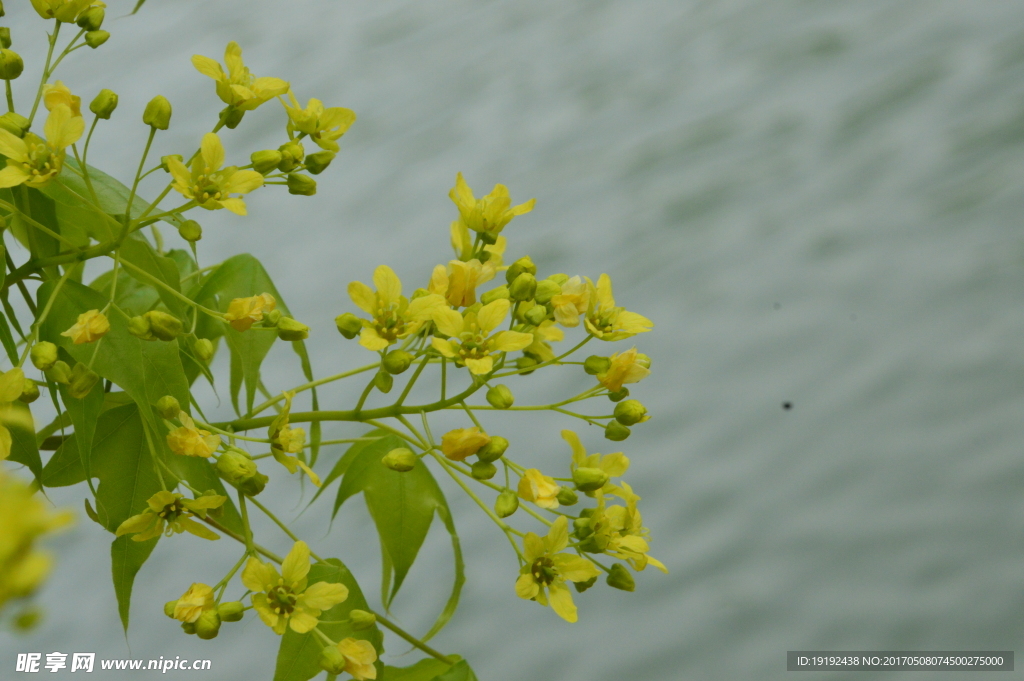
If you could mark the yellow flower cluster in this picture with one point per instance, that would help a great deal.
(171, 513)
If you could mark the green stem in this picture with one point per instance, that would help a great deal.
(10, 97)
(46, 72)
(135, 184)
(284, 528)
(241, 540)
(550, 361)
(249, 547)
(409, 638)
(312, 384)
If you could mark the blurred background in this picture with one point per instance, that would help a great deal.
(817, 202)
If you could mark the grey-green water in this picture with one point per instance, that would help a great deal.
(817, 202)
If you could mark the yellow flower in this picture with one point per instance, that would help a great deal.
(191, 441)
(34, 162)
(543, 336)
(471, 343)
(12, 385)
(62, 10)
(244, 312)
(610, 323)
(623, 369)
(209, 185)
(392, 316)
(490, 213)
(622, 530)
(458, 282)
(543, 578)
(286, 440)
(171, 513)
(359, 657)
(194, 602)
(23, 519)
(323, 126)
(91, 325)
(462, 244)
(239, 88)
(58, 93)
(571, 302)
(463, 442)
(540, 489)
(614, 465)
(283, 600)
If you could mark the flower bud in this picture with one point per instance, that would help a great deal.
(318, 162)
(506, 504)
(5, 37)
(536, 315)
(271, 319)
(348, 325)
(91, 19)
(483, 470)
(546, 290)
(208, 625)
(589, 479)
(2, 12)
(96, 38)
(265, 161)
(524, 264)
(163, 326)
(163, 161)
(158, 113)
(16, 124)
(239, 470)
(43, 355)
(190, 230)
(169, 608)
(360, 619)
(559, 279)
(643, 360)
(500, 397)
(301, 185)
(397, 361)
(168, 407)
(30, 393)
(566, 496)
(583, 586)
(60, 372)
(104, 103)
(292, 154)
(231, 611)
(331, 660)
(383, 381)
(523, 287)
(493, 450)
(400, 459)
(524, 363)
(290, 330)
(11, 64)
(140, 328)
(619, 578)
(619, 395)
(596, 364)
(630, 412)
(581, 527)
(500, 293)
(189, 628)
(616, 432)
(203, 348)
(82, 381)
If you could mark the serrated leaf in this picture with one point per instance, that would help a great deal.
(402, 506)
(297, 658)
(146, 370)
(242, 276)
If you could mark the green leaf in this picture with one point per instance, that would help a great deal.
(84, 414)
(297, 658)
(459, 672)
(402, 506)
(138, 6)
(8, 340)
(243, 276)
(342, 465)
(141, 254)
(424, 670)
(202, 475)
(126, 559)
(65, 466)
(146, 370)
(24, 449)
(132, 297)
(70, 189)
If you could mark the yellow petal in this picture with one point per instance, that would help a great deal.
(324, 595)
(524, 207)
(12, 176)
(574, 568)
(137, 523)
(243, 182)
(296, 564)
(363, 296)
(302, 621)
(258, 576)
(561, 602)
(615, 465)
(510, 341)
(389, 286)
(492, 314)
(233, 59)
(13, 147)
(262, 608)
(438, 280)
(579, 452)
(6, 441)
(212, 151)
(604, 292)
(197, 529)
(481, 366)
(534, 546)
(207, 67)
(449, 322)
(12, 384)
(444, 347)
(526, 587)
(371, 340)
(236, 206)
(558, 535)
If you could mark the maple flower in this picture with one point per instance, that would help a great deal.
(59, 93)
(543, 578)
(194, 602)
(540, 489)
(354, 656)
(323, 125)
(624, 368)
(489, 214)
(608, 322)
(244, 312)
(171, 513)
(458, 282)
(91, 325)
(62, 10)
(471, 342)
(33, 161)
(284, 600)
(191, 441)
(238, 87)
(462, 443)
(571, 302)
(285, 440)
(209, 185)
(392, 315)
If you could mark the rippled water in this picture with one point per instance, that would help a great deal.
(818, 202)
